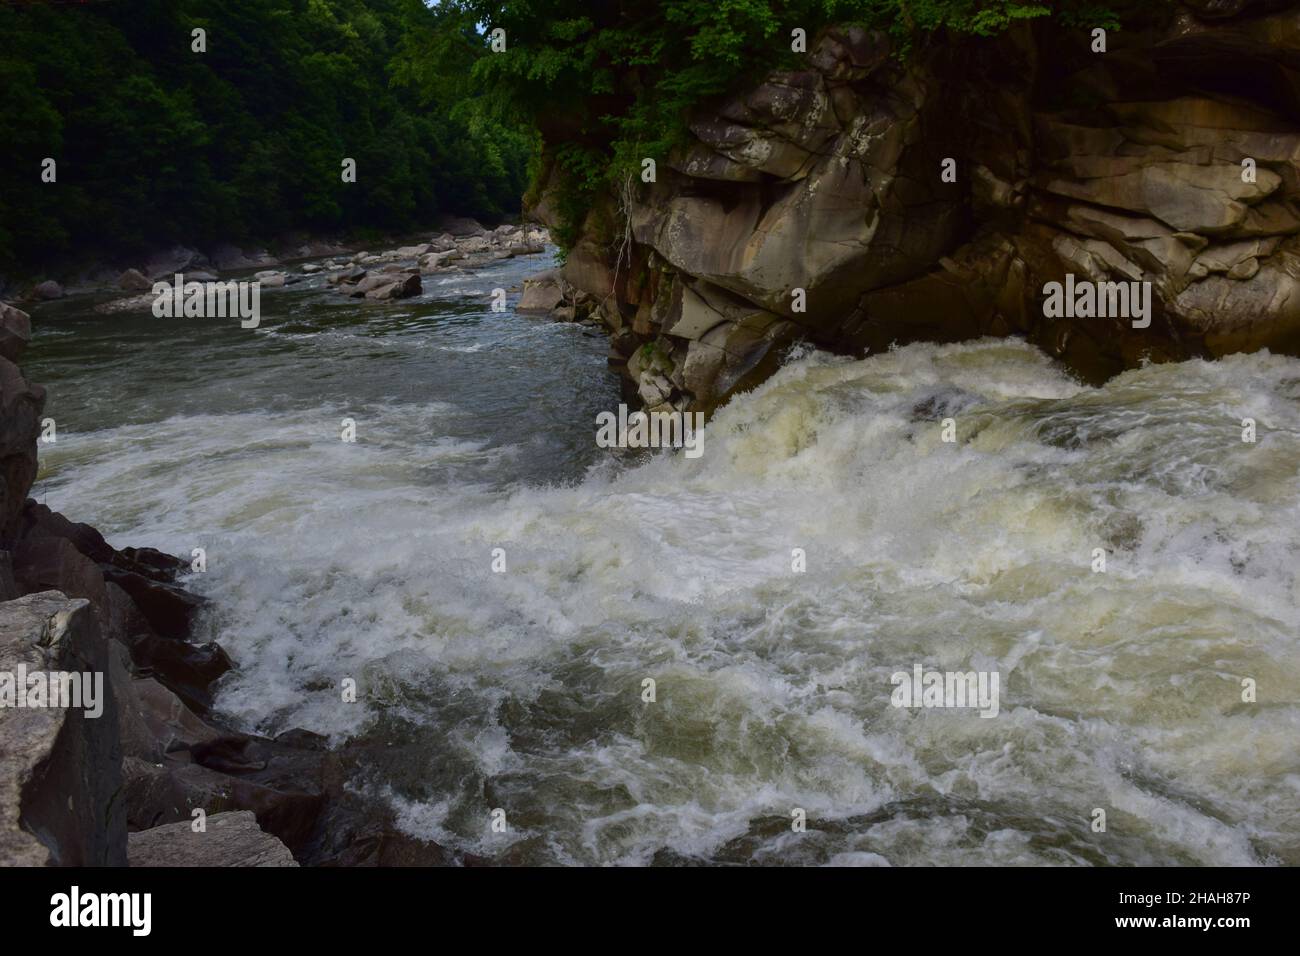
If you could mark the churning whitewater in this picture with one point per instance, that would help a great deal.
(523, 689)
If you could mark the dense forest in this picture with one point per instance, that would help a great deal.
(157, 142)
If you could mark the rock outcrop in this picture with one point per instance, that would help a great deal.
(814, 206)
(21, 405)
(227, 839)
(60, 766)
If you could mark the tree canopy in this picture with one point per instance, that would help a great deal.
(155, 142)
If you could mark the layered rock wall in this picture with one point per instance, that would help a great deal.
(813, 206)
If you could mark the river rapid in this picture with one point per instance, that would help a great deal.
(1120, 690)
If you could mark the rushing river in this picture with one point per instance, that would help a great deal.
(1120, 690)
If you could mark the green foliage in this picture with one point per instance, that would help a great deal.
(156, 143)
(610, 83)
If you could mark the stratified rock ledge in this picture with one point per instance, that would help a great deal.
(229, 839)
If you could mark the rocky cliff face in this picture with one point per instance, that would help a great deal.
(814, 206)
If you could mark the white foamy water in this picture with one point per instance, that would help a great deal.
(522, 690)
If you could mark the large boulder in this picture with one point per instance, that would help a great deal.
(60, 767)
(397, 286)
(154, 722)
(169, 609)
(15, 331)
(133, 280)
(458, 226)
(226, 839)
(55, 564)
(53, 552)
(38, 521)
(542, 292)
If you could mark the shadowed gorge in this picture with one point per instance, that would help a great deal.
(846, 433)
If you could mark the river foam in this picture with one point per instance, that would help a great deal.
(522, 690)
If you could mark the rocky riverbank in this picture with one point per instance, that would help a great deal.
(815, 206)
(123, 787)
(458, 244)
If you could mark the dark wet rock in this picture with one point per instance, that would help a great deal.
(356, 831)
(167, 791)
(8, 585)
(169, 609)
(15, 331)
(282, 782)
(125, 619)
(151, 563)
(154, 721)
(942, 403)
(188, 670)
(55, 564)
(39, 522)
(21, 405)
